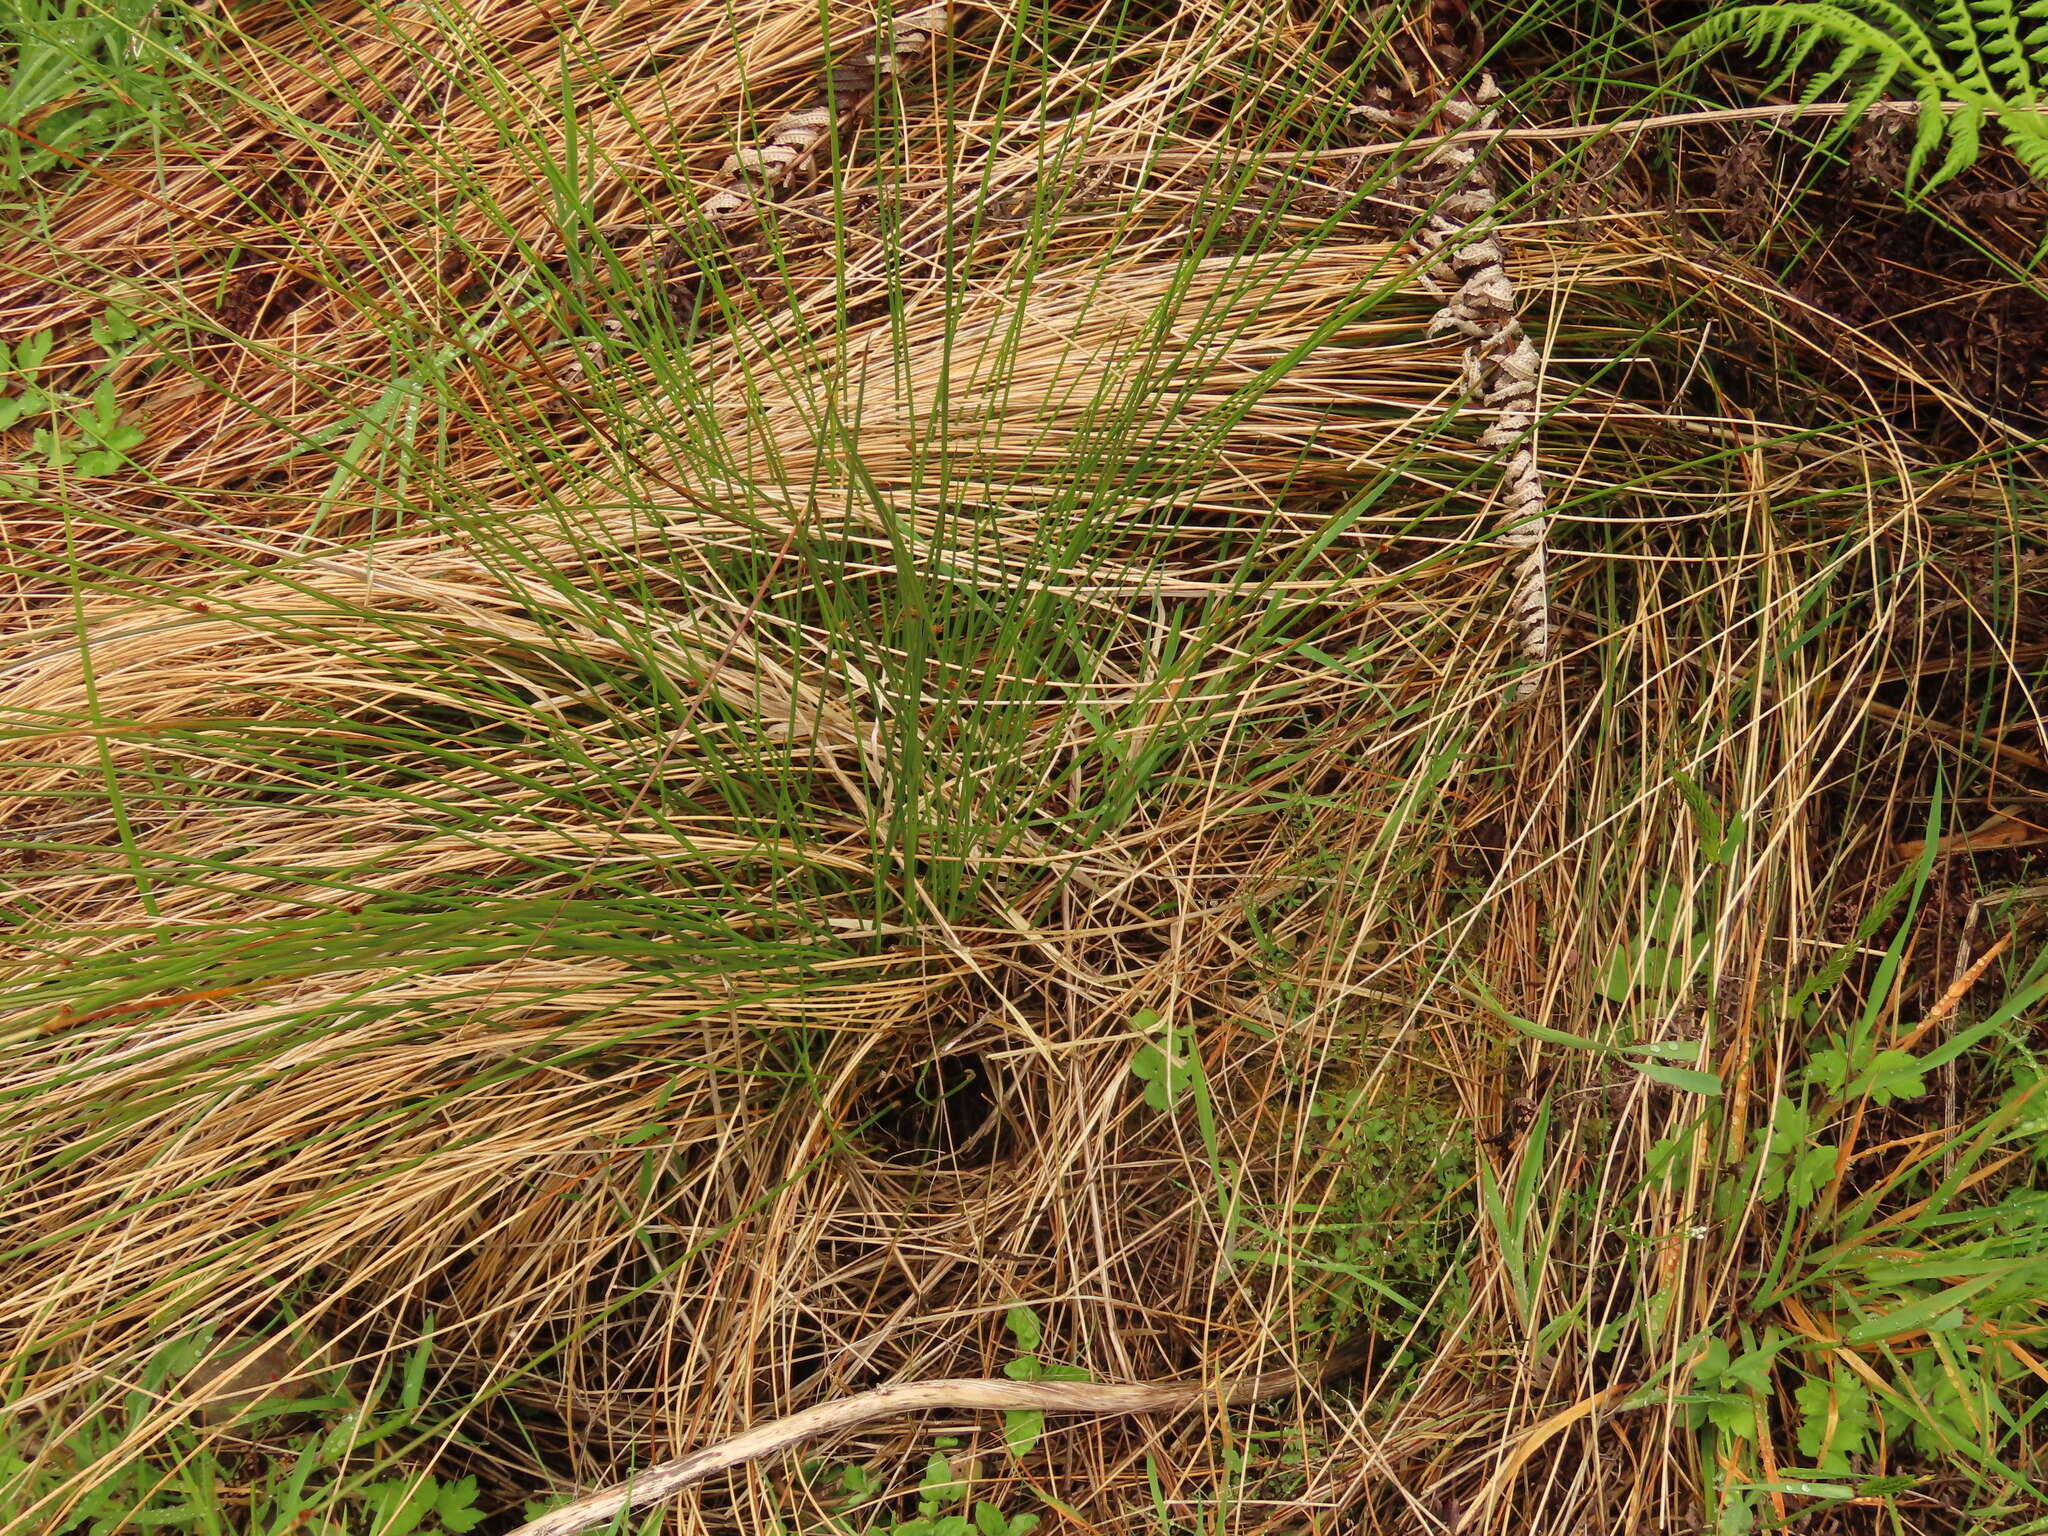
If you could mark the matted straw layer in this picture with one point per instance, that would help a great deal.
(512, 832)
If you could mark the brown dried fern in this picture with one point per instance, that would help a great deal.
(752, 173)
(1503, 369)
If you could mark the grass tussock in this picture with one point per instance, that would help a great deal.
(621, 823)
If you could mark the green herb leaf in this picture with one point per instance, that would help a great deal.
(1022, 1429)
(1685, 1079)
(1024, 1327)
(1811, 1174)
(1892, 1075)
(1828, 1069)
(30, 351)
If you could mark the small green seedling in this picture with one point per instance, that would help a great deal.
(1167, 1066)
(82, 435)
(1023, 1427)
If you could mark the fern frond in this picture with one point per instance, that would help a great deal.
(2026, 135)
(1965, 142)
(1791, 55)
(1928, 129)
(2001, 38)
(1958, 28)
(1866, 96)
(1902, 26)
(1763, 29)
(1846, 58)
(1785, 36)
(1976, 60)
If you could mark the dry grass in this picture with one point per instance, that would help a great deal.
(502, 829)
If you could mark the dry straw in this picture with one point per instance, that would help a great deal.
(581, 812)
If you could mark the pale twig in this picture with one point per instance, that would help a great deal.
(1557, 134)
(975, 1394)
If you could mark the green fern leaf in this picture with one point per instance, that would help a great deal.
(1972, 61)
(1929, 128)
(1845, 61)
(2004, 44)
(1866, 96)
(1965, 143)
(2026, 135)
(1902, 29)
(1791, 54)
(2033, 41)
(1958, 29)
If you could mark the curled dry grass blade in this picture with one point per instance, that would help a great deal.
(655, 877)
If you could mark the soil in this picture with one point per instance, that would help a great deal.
(1931, 282)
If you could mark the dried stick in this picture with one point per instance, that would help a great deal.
(995, 1394)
